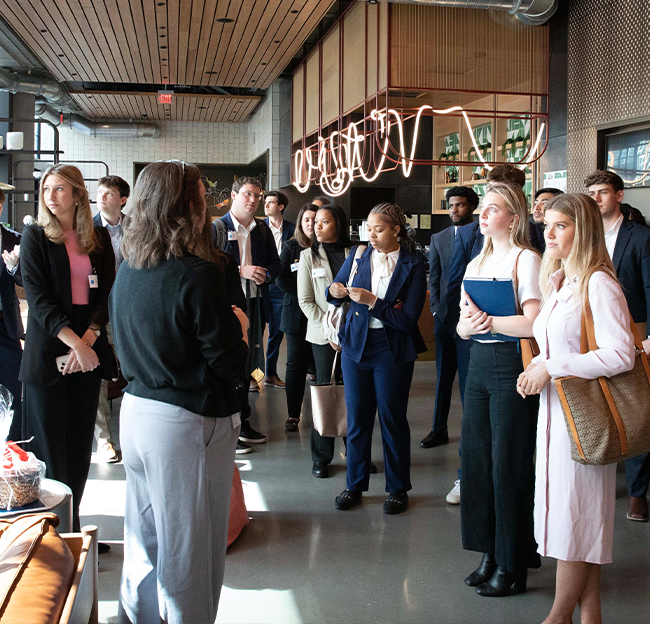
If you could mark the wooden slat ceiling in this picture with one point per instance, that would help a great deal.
(165, 42)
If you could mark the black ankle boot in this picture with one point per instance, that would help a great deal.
(504, 583)
(484, 572)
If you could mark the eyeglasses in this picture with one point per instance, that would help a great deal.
(249, 195)
(182, 163)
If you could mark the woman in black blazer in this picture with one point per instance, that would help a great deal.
(68, 269)
(293, 322)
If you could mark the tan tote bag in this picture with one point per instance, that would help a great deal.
(328, 408)
(608, 419)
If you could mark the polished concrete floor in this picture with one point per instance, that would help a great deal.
(302, 561)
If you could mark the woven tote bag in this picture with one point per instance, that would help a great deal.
(608, 419)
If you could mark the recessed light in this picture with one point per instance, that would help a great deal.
(90, 97)
(225, 20)
(294, 11)
(211, 73)
(163, 47)
(73, 74)
(262, 63)
(162, 36)
(44, 30)
(162, 27)
(144, 114)
(276, 42)
(252, 81)
(201, 107)
(160, 3)
(60, 55)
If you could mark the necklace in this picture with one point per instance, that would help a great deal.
(494, 260)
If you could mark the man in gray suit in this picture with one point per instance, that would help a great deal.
(462, 202)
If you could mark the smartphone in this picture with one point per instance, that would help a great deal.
(61, 361)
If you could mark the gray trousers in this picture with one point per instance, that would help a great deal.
(179, 469)
(103, 419)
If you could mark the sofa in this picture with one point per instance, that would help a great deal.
(47, 578)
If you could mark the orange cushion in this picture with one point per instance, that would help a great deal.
(36, 569)
(238, 511)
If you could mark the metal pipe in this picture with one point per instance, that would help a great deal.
(531, 12)
(53, 91)
(98, 129)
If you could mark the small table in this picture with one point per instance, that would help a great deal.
(55, 497)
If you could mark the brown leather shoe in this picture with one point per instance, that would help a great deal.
(253, 387)
(275, 382)
(637, 508)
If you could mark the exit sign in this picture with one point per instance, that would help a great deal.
(165, 97)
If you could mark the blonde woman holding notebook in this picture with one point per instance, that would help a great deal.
(498, 430)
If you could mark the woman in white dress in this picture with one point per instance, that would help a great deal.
(574, 503)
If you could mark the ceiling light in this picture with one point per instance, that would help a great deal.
(163, 47)
(276, 42)
(225, 20)
(211, 73)
(262, 63)
(294, 11)
(44, 30)
(60, 55)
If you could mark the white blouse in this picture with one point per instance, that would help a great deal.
(527, 274)
(382, 266)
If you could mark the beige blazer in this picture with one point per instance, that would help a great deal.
(311, 292)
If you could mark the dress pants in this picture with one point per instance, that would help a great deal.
(103, 420)
(61, 417)
(377, 384)
(637, 475)
(446, 366)
(299, 359)
(244, 384)
(11, 355)
(179, 468)
(498, 432)
(276, 297)
(322, 449)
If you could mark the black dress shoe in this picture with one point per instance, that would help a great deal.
(504, 583)
(102, 548)
(396, 503)
(484, 572)
(291, 424)
(347, 499)
(320, 470)
(373, 468)
(434, 439)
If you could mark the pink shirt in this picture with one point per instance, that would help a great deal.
(80, 269)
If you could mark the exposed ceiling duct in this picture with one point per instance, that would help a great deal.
(108, 129)
(40, 86)
(531, 12)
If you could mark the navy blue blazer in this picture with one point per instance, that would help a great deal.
(440, 251)
(288, 229)
(407, 287)
(10, 305)
(631, 259)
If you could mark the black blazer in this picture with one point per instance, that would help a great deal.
(46, 278)
(440, 251)
(293, 320)
(10, 305)
(631, 259)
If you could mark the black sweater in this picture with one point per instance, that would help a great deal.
(176, 336)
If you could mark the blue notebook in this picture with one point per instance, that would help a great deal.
(494, 296)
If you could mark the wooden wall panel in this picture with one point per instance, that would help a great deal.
(354, 56)
(330, 87)
(383, 45)
(371, 47)
(297, 103)
(312, 99)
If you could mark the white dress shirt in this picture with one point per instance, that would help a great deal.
(115, 232)
(245, 256)
(382, 266)
(277, 234)
(611, 235)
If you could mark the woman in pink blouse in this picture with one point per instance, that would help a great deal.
(68, 268)
(574, 503)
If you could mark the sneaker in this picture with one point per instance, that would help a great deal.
(106, 453)
(275, 382)
(248, 434)
(242, 448)
(396, 503)
(453, 498)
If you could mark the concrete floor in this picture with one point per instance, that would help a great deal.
(302, 561)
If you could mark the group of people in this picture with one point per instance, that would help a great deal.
(191, 296)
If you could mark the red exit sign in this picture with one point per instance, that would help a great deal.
(165, 97)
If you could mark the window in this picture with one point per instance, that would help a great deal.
(628, 155)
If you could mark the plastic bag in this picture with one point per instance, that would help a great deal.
(20, 473)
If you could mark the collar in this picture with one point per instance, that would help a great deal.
(237, 224)
(276, 229)
(105, 223)
(613, 231)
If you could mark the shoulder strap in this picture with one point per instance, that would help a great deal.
(353, 270)
(515, 283)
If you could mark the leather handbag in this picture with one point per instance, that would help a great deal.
(528, 346)
(608, 419)
(328, 408)
(335, 315)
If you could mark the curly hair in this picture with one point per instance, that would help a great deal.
(605, 177)
(393, 215)
(87, 238)
(506, 173)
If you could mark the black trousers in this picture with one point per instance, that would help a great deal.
(322, 449)
(11, 355)
(498, 433)
(61, 418)
(299, 358)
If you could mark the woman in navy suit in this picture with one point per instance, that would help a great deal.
(380, 342)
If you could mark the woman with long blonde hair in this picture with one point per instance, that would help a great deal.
(498, 430)
(574, 503)
(68, 268)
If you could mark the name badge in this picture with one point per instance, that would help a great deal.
(319, 272)
(294, 267)
(93, 281)
(232, 235)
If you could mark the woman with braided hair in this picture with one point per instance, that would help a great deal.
(380, 342)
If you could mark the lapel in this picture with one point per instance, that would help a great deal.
(324, 262)
(61, 267)
(363, 278)
(447, 245)
(232, 246)
(623, 238)
(401, 272)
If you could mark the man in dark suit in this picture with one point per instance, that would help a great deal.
(542, 196)
(628, 244)
(251, 243)
(11, 324)
(112, 194)
(462, 202)
(275, 203)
